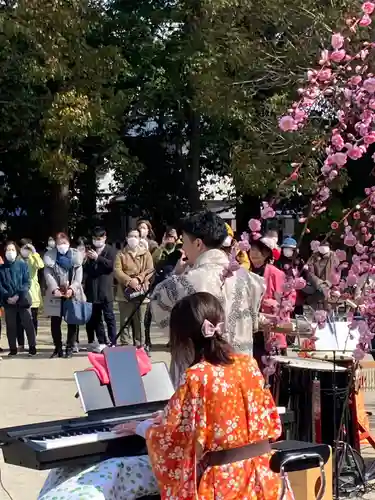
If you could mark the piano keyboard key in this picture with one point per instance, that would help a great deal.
(75, 438)
(51, 444)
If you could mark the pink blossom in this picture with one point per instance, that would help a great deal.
(358, 353)
(356, 215)
(355, 80)
(267, 212)
(320, 316)
(337, 141)
(350, 240)
(359, 248)
(372, 104)
(369, 138)
(334, 225)
(314, 245)
(341, 255)
(299, 115)
(355, 153)
(255, 225)
(352, 279)
(335, 278)
(368, 7)
(299, 283)
(337, 40)
(340, 159)
(244, 246)
(369, 85)
(287, 123)
(324, 74)
(338, 55)
(365, 20)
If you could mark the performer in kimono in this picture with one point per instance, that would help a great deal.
(240, 294)
(195, 445)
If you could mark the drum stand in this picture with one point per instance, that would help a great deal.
(348, 462)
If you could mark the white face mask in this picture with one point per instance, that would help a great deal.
(323, 249)
(98, 243)
(227, 242)
(11, 255)
(143, 232)
(288, 252)
(133, 242)
(51, 244)
(25, 252)
(63, 248)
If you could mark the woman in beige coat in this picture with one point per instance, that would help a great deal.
(133, 270)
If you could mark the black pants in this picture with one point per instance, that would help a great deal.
(20, 329)
(57, 334)
(148, 321)
(96, 326)
(12, 312)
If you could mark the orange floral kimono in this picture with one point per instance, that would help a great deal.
(216, 408)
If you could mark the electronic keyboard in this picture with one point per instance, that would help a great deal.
(82, 441)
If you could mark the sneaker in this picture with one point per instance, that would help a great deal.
(76, 348)
(32, 351)
(12, 353)
(1, 349)
(95, 347)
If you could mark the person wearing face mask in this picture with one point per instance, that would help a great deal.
(51, 243)
(146, 232)
(230, 243)
(321, 266)
(98, 285)
(63, 274)
(15, 297)
(261, 255)
(35, 263)
(133, 270)
(288, 253)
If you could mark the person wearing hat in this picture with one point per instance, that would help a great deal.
(288, 252)
(228, 245)
(261, 262)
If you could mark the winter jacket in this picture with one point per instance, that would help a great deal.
(14, 280)
(129, 265)
(56, 276)
(34, 263)
(98, 276)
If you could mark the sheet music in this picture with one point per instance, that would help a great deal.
(336, 337)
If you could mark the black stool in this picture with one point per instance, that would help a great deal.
(292, 456)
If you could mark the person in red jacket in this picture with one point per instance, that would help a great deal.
(261, 259)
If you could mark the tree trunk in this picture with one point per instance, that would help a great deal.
(60, 202)
(193, 169)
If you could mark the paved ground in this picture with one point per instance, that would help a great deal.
(41, 389)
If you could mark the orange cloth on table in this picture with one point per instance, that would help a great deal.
(217, 407)
(362, 415)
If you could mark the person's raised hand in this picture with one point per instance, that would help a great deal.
(91, 254)
(57, 293)
(69, 293)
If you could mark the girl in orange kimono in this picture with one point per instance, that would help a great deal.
(221, 404)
